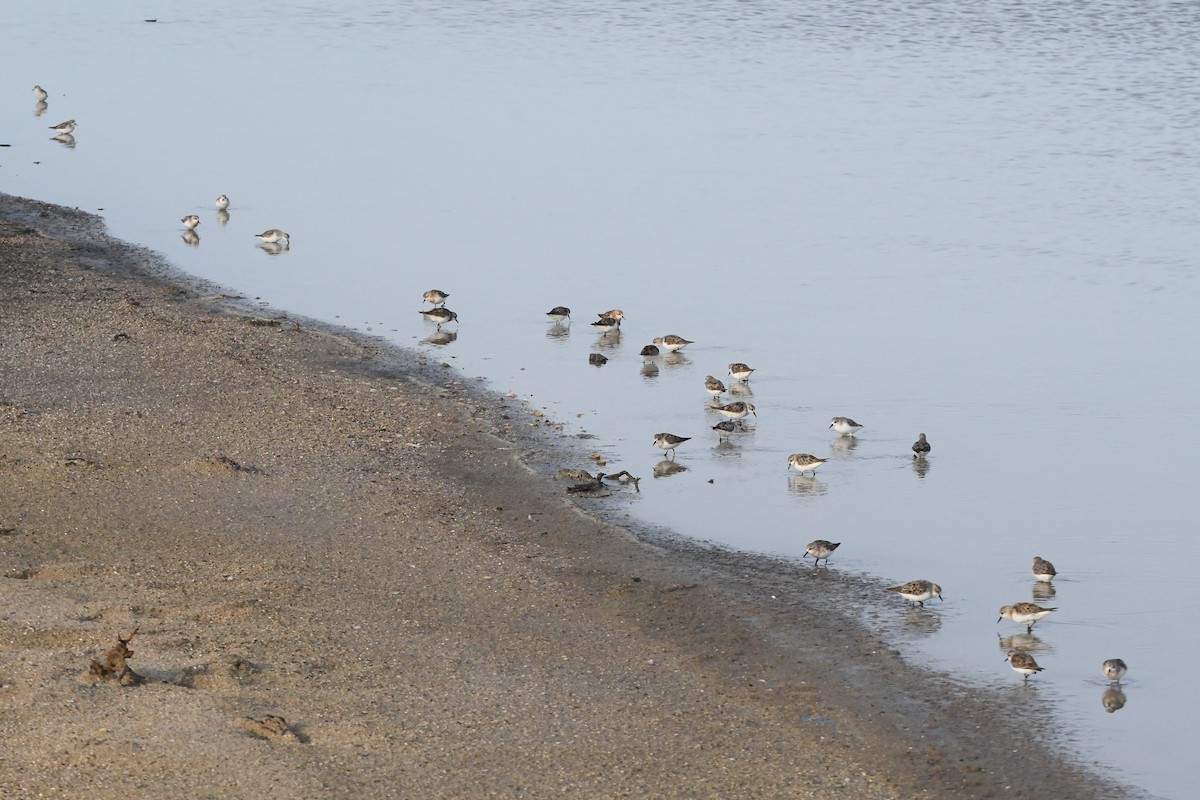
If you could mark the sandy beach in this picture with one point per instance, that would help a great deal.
(339, 577)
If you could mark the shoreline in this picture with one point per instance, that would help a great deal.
(305, 522)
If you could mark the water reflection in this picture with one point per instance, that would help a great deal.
(39, 108)
(65, 139)
(924, 621)
(1043, 591)
(921, 466)
(609, 340)
(1026, 642)
(677, 359)
(191, 238)
(441, 338)
(806, 485)
(843, 446)
(649, 370)
(740, 390)
(274, 248)
(725, 448)
(1113, 699)
(222, 217)
(666, 468)
(558, 331)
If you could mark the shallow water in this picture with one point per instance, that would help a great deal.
(977, 222)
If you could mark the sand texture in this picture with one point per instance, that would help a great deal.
(245, 556)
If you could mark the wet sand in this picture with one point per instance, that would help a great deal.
(345, 581)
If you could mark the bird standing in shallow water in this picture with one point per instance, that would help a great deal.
(1023, 663)
(436, 296)
(441, 315)
(671, 342)
(273, 235)
(820, 548)
(1026, 614)
(669, 441)
(740, 372)
(559, 313)
(805, 462)
(713, 386)
(222, 202)
(190, 222)
(921, 447)
(63, 128)
(1043, 570)
(1114, 669)
(845, 426)
(918, 591)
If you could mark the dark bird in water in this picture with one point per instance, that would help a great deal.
(559, 313)
(724, 426)
(921, 446)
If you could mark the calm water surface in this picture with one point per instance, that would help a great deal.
(972, 220)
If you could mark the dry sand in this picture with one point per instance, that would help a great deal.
(345, 583)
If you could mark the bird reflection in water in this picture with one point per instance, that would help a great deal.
(843, 445)
(1043, 591)
(1113, 699)
(676, 359)
(39, 108)
(806, 485)
(558, 331)
(442, 338)
(274, 248)
(609, 340)
(1025, 642)
(223, 216)
(666, 468)
(649, 370)
(921, 466)
(920, 620)
(66, 140)
(191, 238)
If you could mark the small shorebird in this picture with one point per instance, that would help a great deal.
(612, 313)
(669, 441)
(1043, 570)
(40, 93)
(1026, 614)
(723, 427)
(737, 410)
(559, 313)
(805, 462)
(820, 548)
(845, 426)
(918, 591)
(921, 447)
(190, 222)
(713, 386)
(222, 202)
(671, 342)
(1114, 669)
(436, 296)
(63, 127)
(273, 235)
(740, 372)
(607, 325)
(1023, 663)
(648, 351)
(441, 315)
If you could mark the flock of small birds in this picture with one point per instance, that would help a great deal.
(273, 240)
(915, 592)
